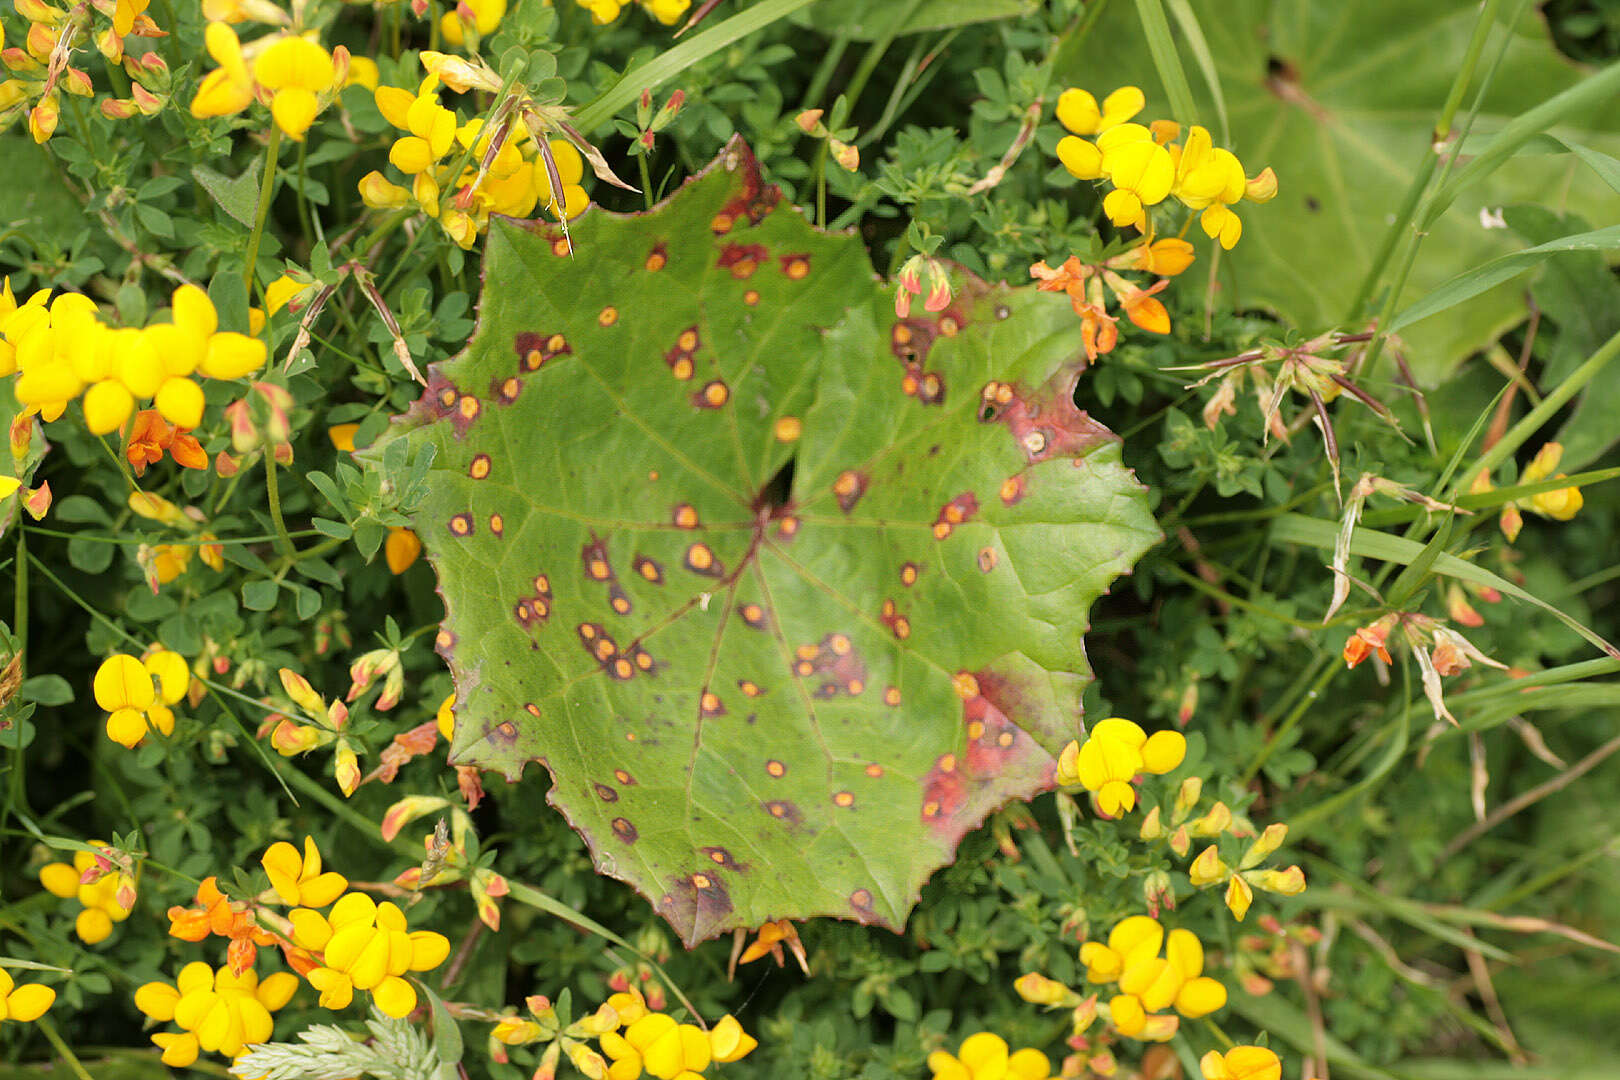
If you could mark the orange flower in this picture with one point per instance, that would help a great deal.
(1140, 306)
(151, 436)
(1366, 640)
(215, 913)
(1098, 330)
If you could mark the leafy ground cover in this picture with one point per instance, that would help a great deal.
(809, 539)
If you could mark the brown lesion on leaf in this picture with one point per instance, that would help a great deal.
(1013, 489)
(908, 573)
(874, 771)
(749, 687)
(684, 516)
(721, 857)
(751, 298)
(497, 524)
(787, 527)
(843, 799)
(623, 777)
(796, 267)
(444, 642)
(506, 390)
(860, 902)
(753, 616)
(657, 258)
(775, 769)
(624, 830)
(988, 557)
(504, 732)
(784, 810)
(607, 316)
(700, 559)
(898, 624)
(595, 558)
(1045, 424)
(960, 509)
(741, 259)
(848, 489)
(754, 198)
(698, 904)
(682, 357)
(461, 525)
(535, 350)
(710, 705)
(713, 395)
(928, 387)
(618, 600)
(648, 569)
(606, 793)
(891, 697)
(479, 468)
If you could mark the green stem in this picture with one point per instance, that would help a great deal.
(1162, 46)
(824, 73)
(266, 189)
(54, 1037)
(1431, 157)
(646, 179)
(1329, 669)
(1519, 433)
(306, 223)
(272, 488)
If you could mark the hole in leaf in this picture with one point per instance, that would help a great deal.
(778, 490)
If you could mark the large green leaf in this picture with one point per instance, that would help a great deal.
(781, 602)
(1340, 99)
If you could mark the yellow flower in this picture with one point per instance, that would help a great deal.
(228, 89)
(1241, 1063)
(1141, 170)
(446, 717)
(728, 1042)
(1113, 754)
(1561, 504)
(280, 292)
(985, 1056)
(603, 11)
(482, 15)
(1077, 110)
(366, 946)
(401, 549)
(216, 1011)
(300, 880)
(124, 688)
(1149, 983)
(99, 898)
(23, 1003)
(667, 12)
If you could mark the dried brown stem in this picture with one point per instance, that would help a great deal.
(1530, 797)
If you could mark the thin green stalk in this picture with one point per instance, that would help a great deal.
(1520, 433)
(272, 489)
(54, 1037)
(646, 180)
(266, 189)
(305, 222)
(1426, 167)
(1328, 669)
(1225, 597)
(874, 52)
(1166, 60)
(824, 73)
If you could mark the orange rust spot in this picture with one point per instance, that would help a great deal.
(497, 524)
(891, 696)
(787, 526)
(718, 856)
(888, 609)
(749, 687)
(556, 343)
(777, 809)
(975, 730)
(531, 708)
(854, 687)
(656, 259)
(649, 570)
(988, 557)
(751, 298)
(715, 394)
(965, 684)
(623, 669)
(700, 558)
(948, 325)
(1012, 489)
(902, 628)
(902, 334)
(804, 668)
(542, 584)
(461, 525)
(848, 489)
(597, 568)
(753, 615)
(908, 385)
(444, 639)
(605, 648)
(685, 517)
(844, 798)
(1005, 739)
(510, 388)
(788, 429)
(946, 763)
(839, 644)
(622, 777)
(953, 513)
(681, 369)
(874, 770)
(559, 248)
(608, 316)
(807, 652)
(589, 631)
(687, 341)
(861, 898)
(931, 808)
(479, 467)
(721, 224)
(701, 881)
(620, 603)
(533, 359)
(508, 729)
(644, 661)
(796, 267)
(941, 530)
(776, 768)
(908, 573)
(710, 704)
(469, 407)
(447, 398)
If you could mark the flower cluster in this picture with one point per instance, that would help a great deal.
(986, 1056)
(162, 563)
(667, 12)
(291, 73)
(1241, 1063)
(460, 173)
(363, 945)
(1438, 649)
(23, 1003)
(1085, 285)
(97, 892)
(1560, 504)
(1241, 881)
(218, 1011)
(470, 20)
(1114, 754)
(221, 916)
(1144, 166)
(137, 694)
(61, 349)
(330, 719)
(42, 66)
(1148, 982)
